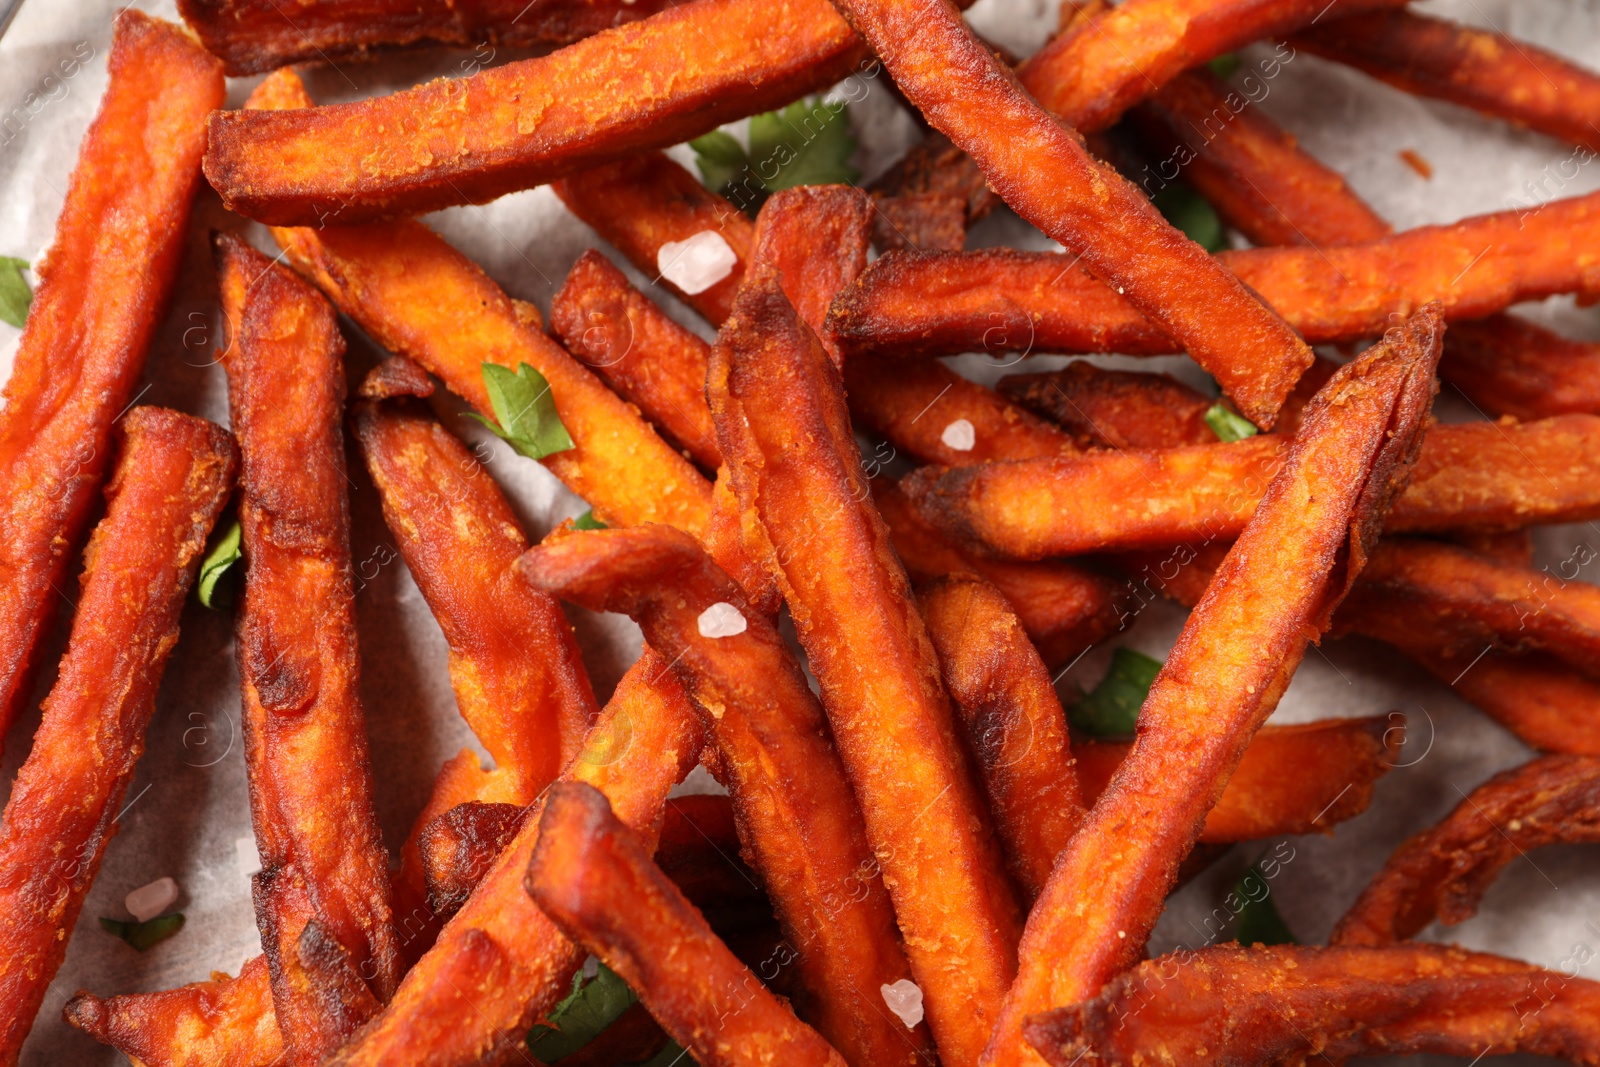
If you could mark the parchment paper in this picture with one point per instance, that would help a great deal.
(187, 814)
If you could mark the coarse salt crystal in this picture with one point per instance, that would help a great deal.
(696, 264)
(960, 435)
(722, 619)
(904, 998)
(148, 901)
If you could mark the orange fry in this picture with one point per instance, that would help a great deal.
(1497, 75)
(595, 877)
(421, 298)
(797, 817)
(771, 387)
(1508, 366)
(172, 477)
(1286, 1003)
(457, 848)
(1237, 652)
(499, 964)
(101, 295)
(1534, 695)
(1114, 409)
(255, 36)
(1443, 872)
(1044, 172)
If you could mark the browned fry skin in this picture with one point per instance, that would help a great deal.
(1273, 593)
(1291, 780)
(1042, 170)
(1443, 872)
(323, 862)
(459, 847)
(595, 877)
(781, 420)
(1230, 1005)
(630, 342)
(421, 298)
(1111, 409)
(643, 202)
(222, 1022)
(930, 221)
(255, 36)
(172, 477)
(1497, 75)
(797, 817)
(1532, 694)
(1508, 366)
(500, 964)
(1013, 720)
(100, 296)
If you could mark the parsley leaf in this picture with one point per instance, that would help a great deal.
(593, 1005)
(587, 521)
(143, 935)
(1228, 424)
(15, 296)
(1192, 213)
(1112, 707)
(1259, 921)
(524, 411)
(807, 143)
(211, 589)
(1224, 65)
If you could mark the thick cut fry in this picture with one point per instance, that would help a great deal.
(643, 202)
(1497, 75)
(1013, 721)
(422, 299)
(797, 817)
(500, 964)
(942, 303)
(1111, 409)
(1042, 170)
(1233, 1006)
(595, 877)
(255, 36)
(1443, 872)
(324, 870)
(619, 92)
(101, 294)
(1273, 593)
(630, 342)
(172, 477)
(781, 421)
(222, 1022)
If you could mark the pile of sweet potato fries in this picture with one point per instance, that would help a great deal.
(922, 857)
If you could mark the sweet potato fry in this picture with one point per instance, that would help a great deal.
(323, 863)
(641, 353)
(1043, 171)
(643, 202)
(1283, 1003)
(1534, 695)
(622, 91)
(499, 965)
(222, 1022)
(255, 36)
(422, 299)
(1111, 409)
(1443, 872)
(1240, 647)
(1508, 366)
(1497, 75)
(172, 477)
(457, 848)
(699, 851)
(797, 817)
(942, 303)
(101, 295)
(771, 384)
(594, 876)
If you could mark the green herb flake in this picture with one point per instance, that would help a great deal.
(1228, 424)
(1192, 213)
(15, 296)
(143, 935)
(1259, 921)
(587, 521)
(524, 411)
(594, 1004)
(719, 157)
(1224, 65)
(1112, 708)
(807, 143)
(213, 589)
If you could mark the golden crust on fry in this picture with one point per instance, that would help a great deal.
(595, 877)
(1442, 872)
(1284, 1003)
(102, 290)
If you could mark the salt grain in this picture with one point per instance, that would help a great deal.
(721, 619)
(960, 435)
(148, 901)
(904, 998)
(696, 264)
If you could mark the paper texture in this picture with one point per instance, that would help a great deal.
(187, 814)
